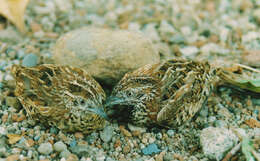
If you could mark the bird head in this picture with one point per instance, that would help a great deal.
(88, 107)
(130, 96)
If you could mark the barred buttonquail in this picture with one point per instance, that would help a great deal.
(168, 94)
(61, 96)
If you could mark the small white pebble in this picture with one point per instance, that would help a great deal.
(59, 146)
(45, 148)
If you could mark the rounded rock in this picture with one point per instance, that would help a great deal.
(30, 60)
(60, 146)
(65, 154)
(107, 134)
(215, 142)
(45, 148)
(105, 54)
(170, 132)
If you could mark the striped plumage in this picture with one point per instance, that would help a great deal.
(168, 93)
(61, 96)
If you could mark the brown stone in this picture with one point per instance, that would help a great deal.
(4, 118)
(251, 58)
(136, 133)
(160, 156)
(117, 143)
(72, 157)
(30, 142)
(124, 131)
(253, 123)
(105, 54)
(12, 157)
(126, 149)
(79, 135)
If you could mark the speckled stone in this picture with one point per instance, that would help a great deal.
(216, 142)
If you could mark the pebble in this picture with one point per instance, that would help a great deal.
(189, 51)
(12, 157)
(136, 128)
(150, 149)
(72, 157)
(79, 135)
(54, 130)
(160, 157)
(10, 35)
(177, 39)
(45, 148)
(30, 60)
(65, 153)
(92, 137)
(216, 142)
(124, 131)
(170, 133)
(73, 143)
(107, 134)
(84, 150)
(59, 146)
(126, 149)
(159, 136)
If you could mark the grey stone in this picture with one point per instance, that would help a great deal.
(30, 60)
(84, 150)
(45, 148)
(177, 39)
(65, 153)
(136, 128)
(60, 146)
(189, 51)
(216, 142)
(105, 54)
(10, 35)
(170, 132)
(107, 133)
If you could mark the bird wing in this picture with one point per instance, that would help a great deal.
(184, 89)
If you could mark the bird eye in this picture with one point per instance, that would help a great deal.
(82, 101)
(129, 94)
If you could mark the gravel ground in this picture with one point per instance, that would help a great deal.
(218, 31)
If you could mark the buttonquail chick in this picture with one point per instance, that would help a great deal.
(168, 94)
(60, 96)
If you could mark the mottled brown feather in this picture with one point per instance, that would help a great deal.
(172, 91)
(57, 96)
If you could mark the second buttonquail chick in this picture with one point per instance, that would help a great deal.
(168, 94)
(61, 96)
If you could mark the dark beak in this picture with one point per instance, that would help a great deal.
(99, 111)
